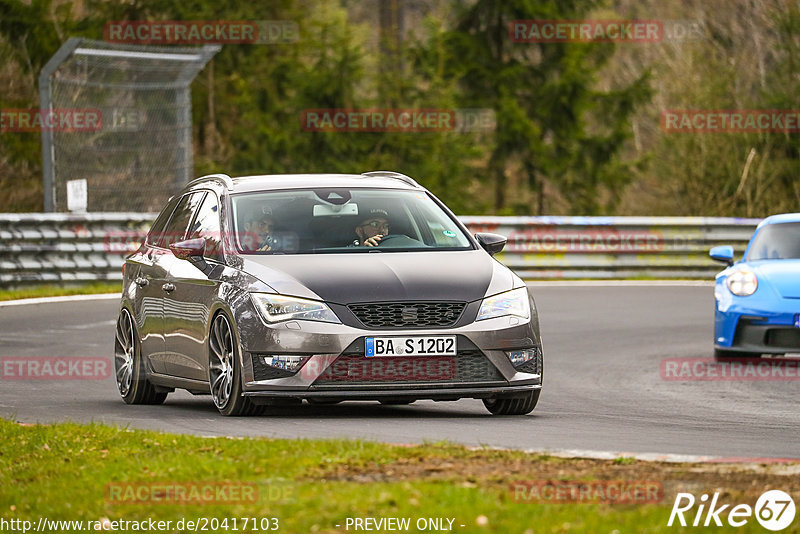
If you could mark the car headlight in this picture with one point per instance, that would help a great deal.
(742, 283)
(514, 302)
(277, 308)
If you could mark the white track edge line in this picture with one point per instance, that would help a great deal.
(648, 456)
(532, 283)
(65, 298)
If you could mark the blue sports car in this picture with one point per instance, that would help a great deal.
(758, 298)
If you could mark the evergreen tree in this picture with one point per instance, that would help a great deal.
(552, 122)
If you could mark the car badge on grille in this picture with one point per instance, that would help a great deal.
(409, 314)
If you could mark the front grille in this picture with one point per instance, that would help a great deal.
(467, 366)
(408, 314)
(783, 337)
(533, 365)
(262, 371)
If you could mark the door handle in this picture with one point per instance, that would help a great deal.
(169, 288)
(141, 282)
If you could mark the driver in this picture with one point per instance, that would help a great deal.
(373, 227)
(258, 231)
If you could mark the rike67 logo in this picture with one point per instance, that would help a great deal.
(774, 510)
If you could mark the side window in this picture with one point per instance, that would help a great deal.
(175, 230)
(206, 225)
(161, 221)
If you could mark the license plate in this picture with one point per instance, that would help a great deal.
(411, 346)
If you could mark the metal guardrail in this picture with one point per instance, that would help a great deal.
(63, 248)
(614, 247)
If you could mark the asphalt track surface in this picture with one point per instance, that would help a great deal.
(603, 389)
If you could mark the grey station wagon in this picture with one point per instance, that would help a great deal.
(271, 290)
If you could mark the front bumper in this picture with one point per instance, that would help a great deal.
(337, 368)
(430, 392)
(761, 323)
(764, 335)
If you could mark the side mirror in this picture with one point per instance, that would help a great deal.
(191, 250)
(722, 254)
(491, 243)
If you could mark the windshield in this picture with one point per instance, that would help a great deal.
(342, 220)
(776, 242)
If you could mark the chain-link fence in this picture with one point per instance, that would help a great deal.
(121, 121)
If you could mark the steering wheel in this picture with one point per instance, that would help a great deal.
(389, 237)
(400, 241)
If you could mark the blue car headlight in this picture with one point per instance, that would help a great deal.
(514, 302)
(742, 282)
(277, 308)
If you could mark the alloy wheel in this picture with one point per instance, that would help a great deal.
(124, 352)
(221, 361)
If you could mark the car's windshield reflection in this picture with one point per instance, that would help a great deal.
(302, 221)
(776, 242)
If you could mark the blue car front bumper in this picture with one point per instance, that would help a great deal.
(761, 323)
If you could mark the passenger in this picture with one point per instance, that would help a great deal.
(258, 236)
(373, 227)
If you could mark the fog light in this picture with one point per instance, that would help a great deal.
(519, 357)
(287, 363)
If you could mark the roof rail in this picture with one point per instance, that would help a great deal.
(224, 178)
(392, 174)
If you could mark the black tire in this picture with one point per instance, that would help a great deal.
(722, 355)
(224, 371)
(520, 405)
(129, 372)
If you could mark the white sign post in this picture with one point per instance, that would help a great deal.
(77, 197)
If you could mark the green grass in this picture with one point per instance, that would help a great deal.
(61, 471)
(55, 291)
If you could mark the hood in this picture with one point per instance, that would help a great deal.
(384, 276)
(783, 275)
